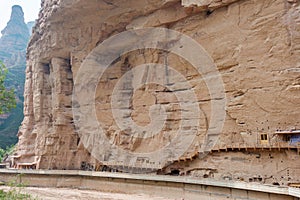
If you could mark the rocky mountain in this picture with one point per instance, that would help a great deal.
(13, 44)
(225, 80)
(30, 26)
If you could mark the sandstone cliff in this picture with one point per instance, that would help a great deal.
(254, 45)
(13, 44)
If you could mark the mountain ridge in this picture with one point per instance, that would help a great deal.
(13, 44)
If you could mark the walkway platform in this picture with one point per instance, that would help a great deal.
(164, 186)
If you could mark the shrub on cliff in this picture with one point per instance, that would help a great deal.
(7, 96)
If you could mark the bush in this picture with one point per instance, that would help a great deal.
(14, 194)
(7, 151)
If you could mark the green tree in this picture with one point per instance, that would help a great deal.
(8, 151)
(7, 96)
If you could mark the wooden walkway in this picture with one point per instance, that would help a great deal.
(244, 147)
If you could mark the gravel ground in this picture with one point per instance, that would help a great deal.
(69, 194)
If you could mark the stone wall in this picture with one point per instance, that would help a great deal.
(156, 186)
(254, 44)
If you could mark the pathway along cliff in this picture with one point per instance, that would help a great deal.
(147, 186)
(237, 96)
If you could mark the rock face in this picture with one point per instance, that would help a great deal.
(13, 44)
(254, 46)
(15, 37)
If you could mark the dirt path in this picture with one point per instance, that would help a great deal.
(70, 194)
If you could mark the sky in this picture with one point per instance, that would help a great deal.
(30, 8)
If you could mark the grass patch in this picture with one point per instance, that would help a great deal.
(14, 194)
(16, 191)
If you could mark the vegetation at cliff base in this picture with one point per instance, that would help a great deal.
(13, 195)
(7, 96)
(15, 191)
(7, 151)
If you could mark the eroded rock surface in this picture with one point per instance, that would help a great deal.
(254, 44)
